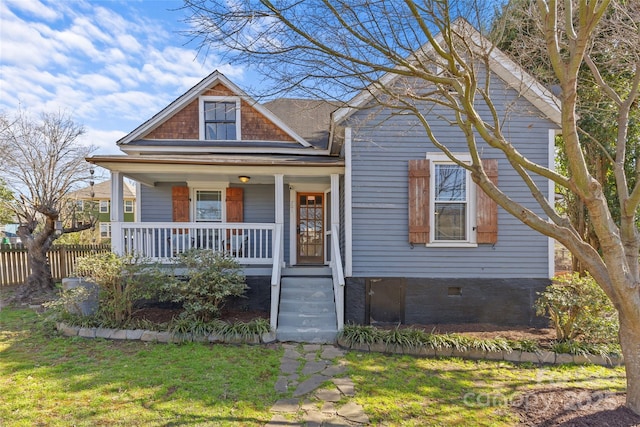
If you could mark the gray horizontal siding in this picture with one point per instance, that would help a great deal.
(381, 148)
(155, 202)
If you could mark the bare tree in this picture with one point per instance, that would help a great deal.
(614, 48)
(409, 54)
(42, 161)
(5, 198)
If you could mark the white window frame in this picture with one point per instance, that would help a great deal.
(471, 241)
(107, 227)
(204, 99)
(194, 200)
(104, 206)
(128, 206)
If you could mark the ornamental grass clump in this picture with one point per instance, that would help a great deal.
(212, 278)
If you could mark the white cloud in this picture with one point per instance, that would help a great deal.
(111, 71)
(103, 140)
(98, 83)
(34, 7)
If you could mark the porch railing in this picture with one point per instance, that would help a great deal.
(249, 243)
(337, 276)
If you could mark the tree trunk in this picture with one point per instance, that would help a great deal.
(39, 285)
(630, 343)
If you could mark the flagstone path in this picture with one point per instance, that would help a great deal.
(321, 391)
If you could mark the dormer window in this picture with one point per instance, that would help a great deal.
(219, 118)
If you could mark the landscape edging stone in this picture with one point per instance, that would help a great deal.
(543, 357)
(159, 336)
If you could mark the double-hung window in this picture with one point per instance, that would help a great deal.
(452, 207)
(451, 201)
(219, 118)
(128, 206)
(104, 206)
(208, 206)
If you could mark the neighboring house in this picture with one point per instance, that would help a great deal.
(96, 201)
(8, 234)
(300, 183)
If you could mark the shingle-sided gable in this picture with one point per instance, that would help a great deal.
(182, 120)
(184, 124)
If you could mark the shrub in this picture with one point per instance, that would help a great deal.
(122, 281)
(213, 277)
(578, 308)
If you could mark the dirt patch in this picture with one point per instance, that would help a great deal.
(573, 407)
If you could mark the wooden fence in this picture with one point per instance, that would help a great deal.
(14, 266)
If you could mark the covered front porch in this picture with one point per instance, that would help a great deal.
(275, 220)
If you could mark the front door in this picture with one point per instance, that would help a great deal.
(310, 228)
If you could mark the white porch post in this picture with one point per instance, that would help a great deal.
(335, 202)
(117, 212)
(279, 207)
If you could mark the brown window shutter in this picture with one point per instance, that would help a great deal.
(234, 203)
(180, 198)
(487, 209)
(419, 201)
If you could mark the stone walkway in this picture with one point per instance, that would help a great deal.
(321, 391)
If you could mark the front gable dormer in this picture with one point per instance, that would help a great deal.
(213, 114)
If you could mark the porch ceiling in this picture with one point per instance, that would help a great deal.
(152, 169)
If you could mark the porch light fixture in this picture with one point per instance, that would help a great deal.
(244, 179)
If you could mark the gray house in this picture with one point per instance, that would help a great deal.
(339, 214)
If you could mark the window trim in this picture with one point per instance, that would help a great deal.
(194, 197)
(130, 208)
(106, 204)
(106, 225)
(204, 99)
(471, 241)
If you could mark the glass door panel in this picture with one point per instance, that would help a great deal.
(310, 228)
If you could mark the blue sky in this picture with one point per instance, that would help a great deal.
(110, 64)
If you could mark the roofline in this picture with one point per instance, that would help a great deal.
(192, 94)
(514, 75)
(197, 160)
(161, 149)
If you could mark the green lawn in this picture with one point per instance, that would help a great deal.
(49, 380)
(408, 391)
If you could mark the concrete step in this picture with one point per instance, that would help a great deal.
(307, 309)
(306, 282)
(306, 295)
(306, 271)
(291, 305)
(307, 335)
(308, 320)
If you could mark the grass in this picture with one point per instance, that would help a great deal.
(400, 390)
(50, 380)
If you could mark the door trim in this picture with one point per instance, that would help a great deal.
(294, 189)
(318, 241)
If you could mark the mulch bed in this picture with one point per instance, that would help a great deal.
(573, 407)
